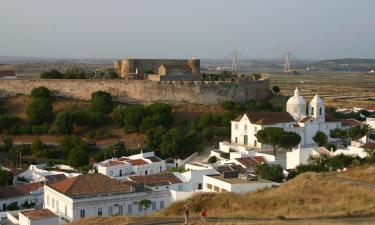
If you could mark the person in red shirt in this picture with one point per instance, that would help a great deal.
(203, 215)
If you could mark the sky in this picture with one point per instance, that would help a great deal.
(309, 29)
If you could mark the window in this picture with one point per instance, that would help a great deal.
(110, 210)
(161, 168)
(320, 111)
(130, 208)
(255, 129)
(153, 205)
(312, 111)
(53, 203)
(120, 174)
(57, 205)
(236, 139)
(223, 190)
(180, 187)
(200, 186)
(100, 212)
(146, 172)
(48, 200)
(236, 126)
(245, 127)
(121, 210)
(209, 186)
(217, 189)
(161, 204)
(82, 213)
(140, 207)
(66, 210)
(255, 143)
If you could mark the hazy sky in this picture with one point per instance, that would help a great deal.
(176, 28)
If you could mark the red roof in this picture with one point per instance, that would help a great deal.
(113, 163)
(19, 190)
(89, 184)
(267, 118)
(350, 122)
(137, 162)
(251, 161)
(156, 179)
(39, 214)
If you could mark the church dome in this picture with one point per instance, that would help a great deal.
(296, 99)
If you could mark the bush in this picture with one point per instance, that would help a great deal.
(53, 74)
(212, 160)
(208, 133)
(40, 110)
(276, 89)
(37, 146)
(101, 101)
(64, 122)
(270, 172)
(228, 105)
(40, 92)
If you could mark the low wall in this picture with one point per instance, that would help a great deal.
(144, 91)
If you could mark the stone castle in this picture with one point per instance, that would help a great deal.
(159, 69)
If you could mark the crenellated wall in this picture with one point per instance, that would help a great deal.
(144, 91)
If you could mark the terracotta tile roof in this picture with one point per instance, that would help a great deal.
(39, 214)
(267, 118)
(229, 168)
(368, 145)
(113, 163)
(154, 159)
(137, 162)
(156, 179)
(89, 184)
(350, 122)
(305, 119)
(331, 119)
(123, 159)
(252, 161)
(19, 190)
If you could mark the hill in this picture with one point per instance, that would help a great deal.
(308, 196)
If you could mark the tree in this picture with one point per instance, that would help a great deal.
(64, 122)
(320, 138)
(276, 89)
(355, 133)
(40, 92)
(212, 159)
(133, 116)
(145, 203)
(74, 74)
(118, 114)
(370, 154)
(290, 140)
(37, 146)
(6, 177)
(278, 138)
(172, 143)
(208, 133)
(270, 172)
(78, 156)
(101, 101)
(53, 74)
(338, 133)
(256, 76)
(340, 162)
(154, 137)
(68, 142)
(228, 105)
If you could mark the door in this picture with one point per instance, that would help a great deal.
(245, 139)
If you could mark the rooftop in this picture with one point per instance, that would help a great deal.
(229, 168)
(39, 214)
(236, 180)
(251, 161)
(156, 179)
(267, 118)
(89, 184)
(19, 190)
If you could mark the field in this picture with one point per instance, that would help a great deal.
(311, 198)
(339, 89)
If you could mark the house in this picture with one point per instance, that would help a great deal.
(234, 182)
(15, 197)
(300, 156)
(141, 164)
(356, 149)
(38, 217)
(99, 195)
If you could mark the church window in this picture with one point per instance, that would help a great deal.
(312, 111)
(320, 111)
(236, 139)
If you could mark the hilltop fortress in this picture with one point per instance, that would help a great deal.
(149, 80)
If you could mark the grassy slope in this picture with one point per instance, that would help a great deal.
(310, 195)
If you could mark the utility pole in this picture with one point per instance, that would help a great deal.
(287, 64)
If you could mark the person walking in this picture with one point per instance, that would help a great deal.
(203, 215)
(186, 214)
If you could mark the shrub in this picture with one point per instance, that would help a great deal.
(64, 122)
(53, 74)
(40, 110)
(101, 101)
(270, 172)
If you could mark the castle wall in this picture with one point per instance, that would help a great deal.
(144, 91)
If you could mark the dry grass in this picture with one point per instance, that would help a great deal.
(307, 196)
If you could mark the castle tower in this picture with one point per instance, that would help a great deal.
(296, 105)
(317, 109)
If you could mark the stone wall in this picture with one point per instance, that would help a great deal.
(144, 91)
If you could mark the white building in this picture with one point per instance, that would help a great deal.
(99, 195)
(140, 164)
(21, 194)
(233, 182)
(300, 118)
(38, 217)
(300, 156)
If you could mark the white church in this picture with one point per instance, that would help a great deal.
(300, 118)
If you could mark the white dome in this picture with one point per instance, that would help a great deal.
(296, 99)
(316, 100)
